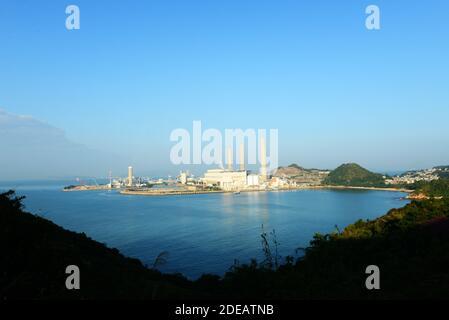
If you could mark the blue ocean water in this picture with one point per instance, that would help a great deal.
(202, 233)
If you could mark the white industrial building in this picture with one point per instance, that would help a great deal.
(225, 179)
(252, 180)
(231, 180)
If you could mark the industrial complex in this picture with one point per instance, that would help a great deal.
(222, 179)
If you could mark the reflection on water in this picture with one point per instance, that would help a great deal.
(203, 233)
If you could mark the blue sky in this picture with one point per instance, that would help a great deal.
(136, 70)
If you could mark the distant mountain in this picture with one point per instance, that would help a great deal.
(301, 175)
(352, 174)
(442, 172)
(294, 165)
(290, 171)
(33, 149)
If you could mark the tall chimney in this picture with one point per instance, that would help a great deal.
(230, 162)
(130, 176)
(263, 159)
(242, 157)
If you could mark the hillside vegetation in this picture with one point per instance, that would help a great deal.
(410, 246)
(443, 172)
(351, 174)
(433, 189)
(35, 253)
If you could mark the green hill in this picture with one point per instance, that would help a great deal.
(442, 172)
(351, 174)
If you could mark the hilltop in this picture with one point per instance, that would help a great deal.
(301, 175)
(442, 171)
(352, 174)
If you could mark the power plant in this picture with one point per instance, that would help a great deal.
(236, 180)
(226, 178)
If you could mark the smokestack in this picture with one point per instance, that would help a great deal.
(242, 157)
(263, 159)
(230, 167)
(130, 176)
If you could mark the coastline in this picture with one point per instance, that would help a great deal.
(364, 188)
(171, 192)
(87, 188)
(168, 192)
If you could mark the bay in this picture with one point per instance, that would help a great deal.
(202, 233)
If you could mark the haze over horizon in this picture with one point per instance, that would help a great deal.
(83, 102)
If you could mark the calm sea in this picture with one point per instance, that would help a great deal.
(202, 233)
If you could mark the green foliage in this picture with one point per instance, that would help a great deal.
(442, 172)
(271, 251)
(353, 175)
(410, 245)
(435, 188)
